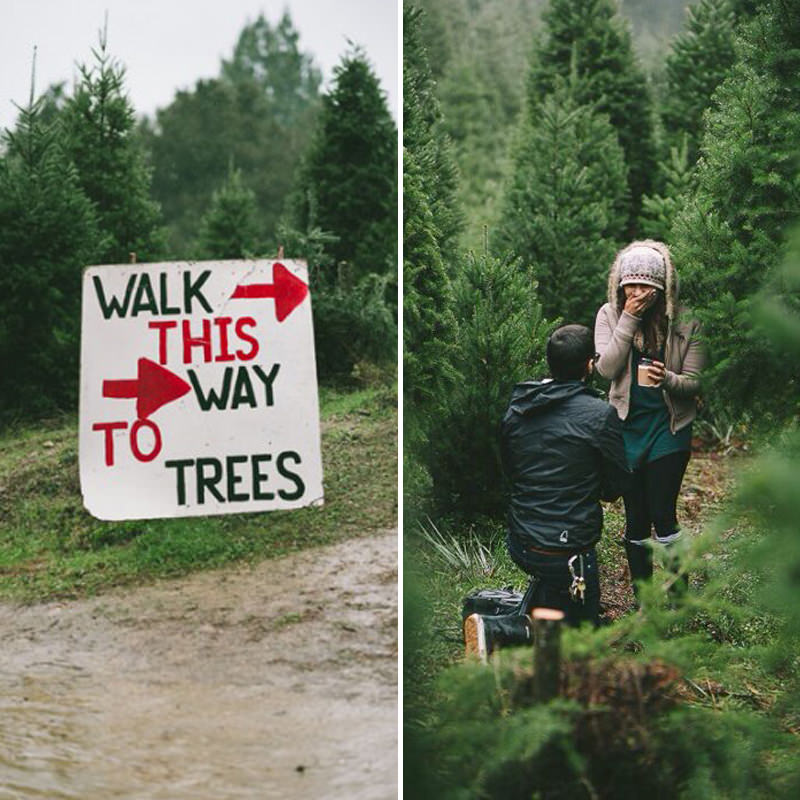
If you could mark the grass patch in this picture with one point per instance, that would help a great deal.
(50, 547)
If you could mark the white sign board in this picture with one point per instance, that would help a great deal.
(198, 389)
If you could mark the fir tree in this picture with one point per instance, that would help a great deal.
(700, 59)
(350, 172)
(729, 236)
(424, 135)
(430, 228)
(586, 39)
(99, 130)
(229, 228)
(564, 207)
(501, 338)
(481, 91)
(660, 211)
(48, 233)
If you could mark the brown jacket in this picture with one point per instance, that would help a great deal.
(614, 333)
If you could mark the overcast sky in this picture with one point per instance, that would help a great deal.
(167, 45)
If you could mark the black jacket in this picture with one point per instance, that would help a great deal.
(563, 452)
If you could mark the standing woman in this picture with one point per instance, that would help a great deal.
(650, 350)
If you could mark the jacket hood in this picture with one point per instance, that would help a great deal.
(534, 397)
(671, 291)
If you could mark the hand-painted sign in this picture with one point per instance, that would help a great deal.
(198, 389)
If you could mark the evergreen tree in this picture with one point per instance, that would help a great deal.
(430, 228)
(229, 228)
(660, 211)
(235, 116)
(700, 59)
(48, 233)
(99, 137)
(424, 135)
(501, 339)
(728, 239)
(586, 39)
(271, 57)
(428, 320)
(564, 207)
(348, 180)
(481, 91)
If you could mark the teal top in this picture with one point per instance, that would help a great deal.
(646, 430)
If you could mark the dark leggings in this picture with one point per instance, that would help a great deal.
(653, 497)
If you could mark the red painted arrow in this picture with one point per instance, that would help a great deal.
(153, 387)
(287, 290)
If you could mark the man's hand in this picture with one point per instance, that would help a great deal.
(637, 304)
(657, 372)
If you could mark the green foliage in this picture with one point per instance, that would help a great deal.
(660, 211)
(424, 136)
(272, 58)
(728, 238)
(698, 62)
(500, 340)
(99, 136)
(353, 323)
(353, 320)
(428, 320)
(348, 180)
(229, 228)
(430, 227)
(587, 41)
(48, 233)
(342, 217)
(564, 210)
(50, 547)
(481, 91)
(260, 113)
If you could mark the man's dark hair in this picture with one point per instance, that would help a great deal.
(568, 349)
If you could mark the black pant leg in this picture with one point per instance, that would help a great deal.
(637, 510)
(663, 478)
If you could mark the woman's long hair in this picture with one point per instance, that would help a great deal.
(650, 338)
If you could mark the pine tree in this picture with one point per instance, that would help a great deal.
(586, 39)
(99, 130)
(481, 91)
(728, 239)
(660, 211)
(229, 228)
(501, 339)
(430, 227)
(350, 173)
(700, 59)
(48, 233)
(564, 206)
(424, 135)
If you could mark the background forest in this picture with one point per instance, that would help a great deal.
(539, 138)
(253, 159)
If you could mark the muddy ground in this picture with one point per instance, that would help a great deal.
(272, 681)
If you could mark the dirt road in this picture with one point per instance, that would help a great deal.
(277, 681)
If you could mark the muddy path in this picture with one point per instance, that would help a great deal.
(272, 681)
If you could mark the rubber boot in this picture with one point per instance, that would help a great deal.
(640, 564)
(485, 634)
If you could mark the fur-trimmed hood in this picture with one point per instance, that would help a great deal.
(671, 291)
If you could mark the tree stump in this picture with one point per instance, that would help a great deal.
(547, 652)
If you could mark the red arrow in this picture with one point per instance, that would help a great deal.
(153, 387)
(287, 289)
